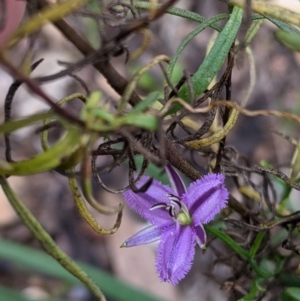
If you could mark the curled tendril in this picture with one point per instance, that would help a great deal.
(81, 155)
(280, 175)
(7, 108)
(145, 44)
(132, 84)
(83, 210)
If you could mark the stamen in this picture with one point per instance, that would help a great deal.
(158, 205)
(171, 212)
(176, 202)
(173, 197)
(175, 208)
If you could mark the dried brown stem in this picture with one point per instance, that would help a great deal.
(119, 84)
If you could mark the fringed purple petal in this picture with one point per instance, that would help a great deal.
(145, 236)
(175, 253)
(143, 201)
(200, 236)
(175, 180)
(205, 198)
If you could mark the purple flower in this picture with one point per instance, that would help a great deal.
(177, 216)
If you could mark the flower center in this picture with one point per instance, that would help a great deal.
(177, 210)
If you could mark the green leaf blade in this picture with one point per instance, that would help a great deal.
(214, 60)
(39, 261)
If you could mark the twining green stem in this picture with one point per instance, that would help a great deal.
(78, 155)
(252, 31)
(45, 161)
(132, 84)
(47, 242)
(177, 12)
(190, 36)
(14, 125)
